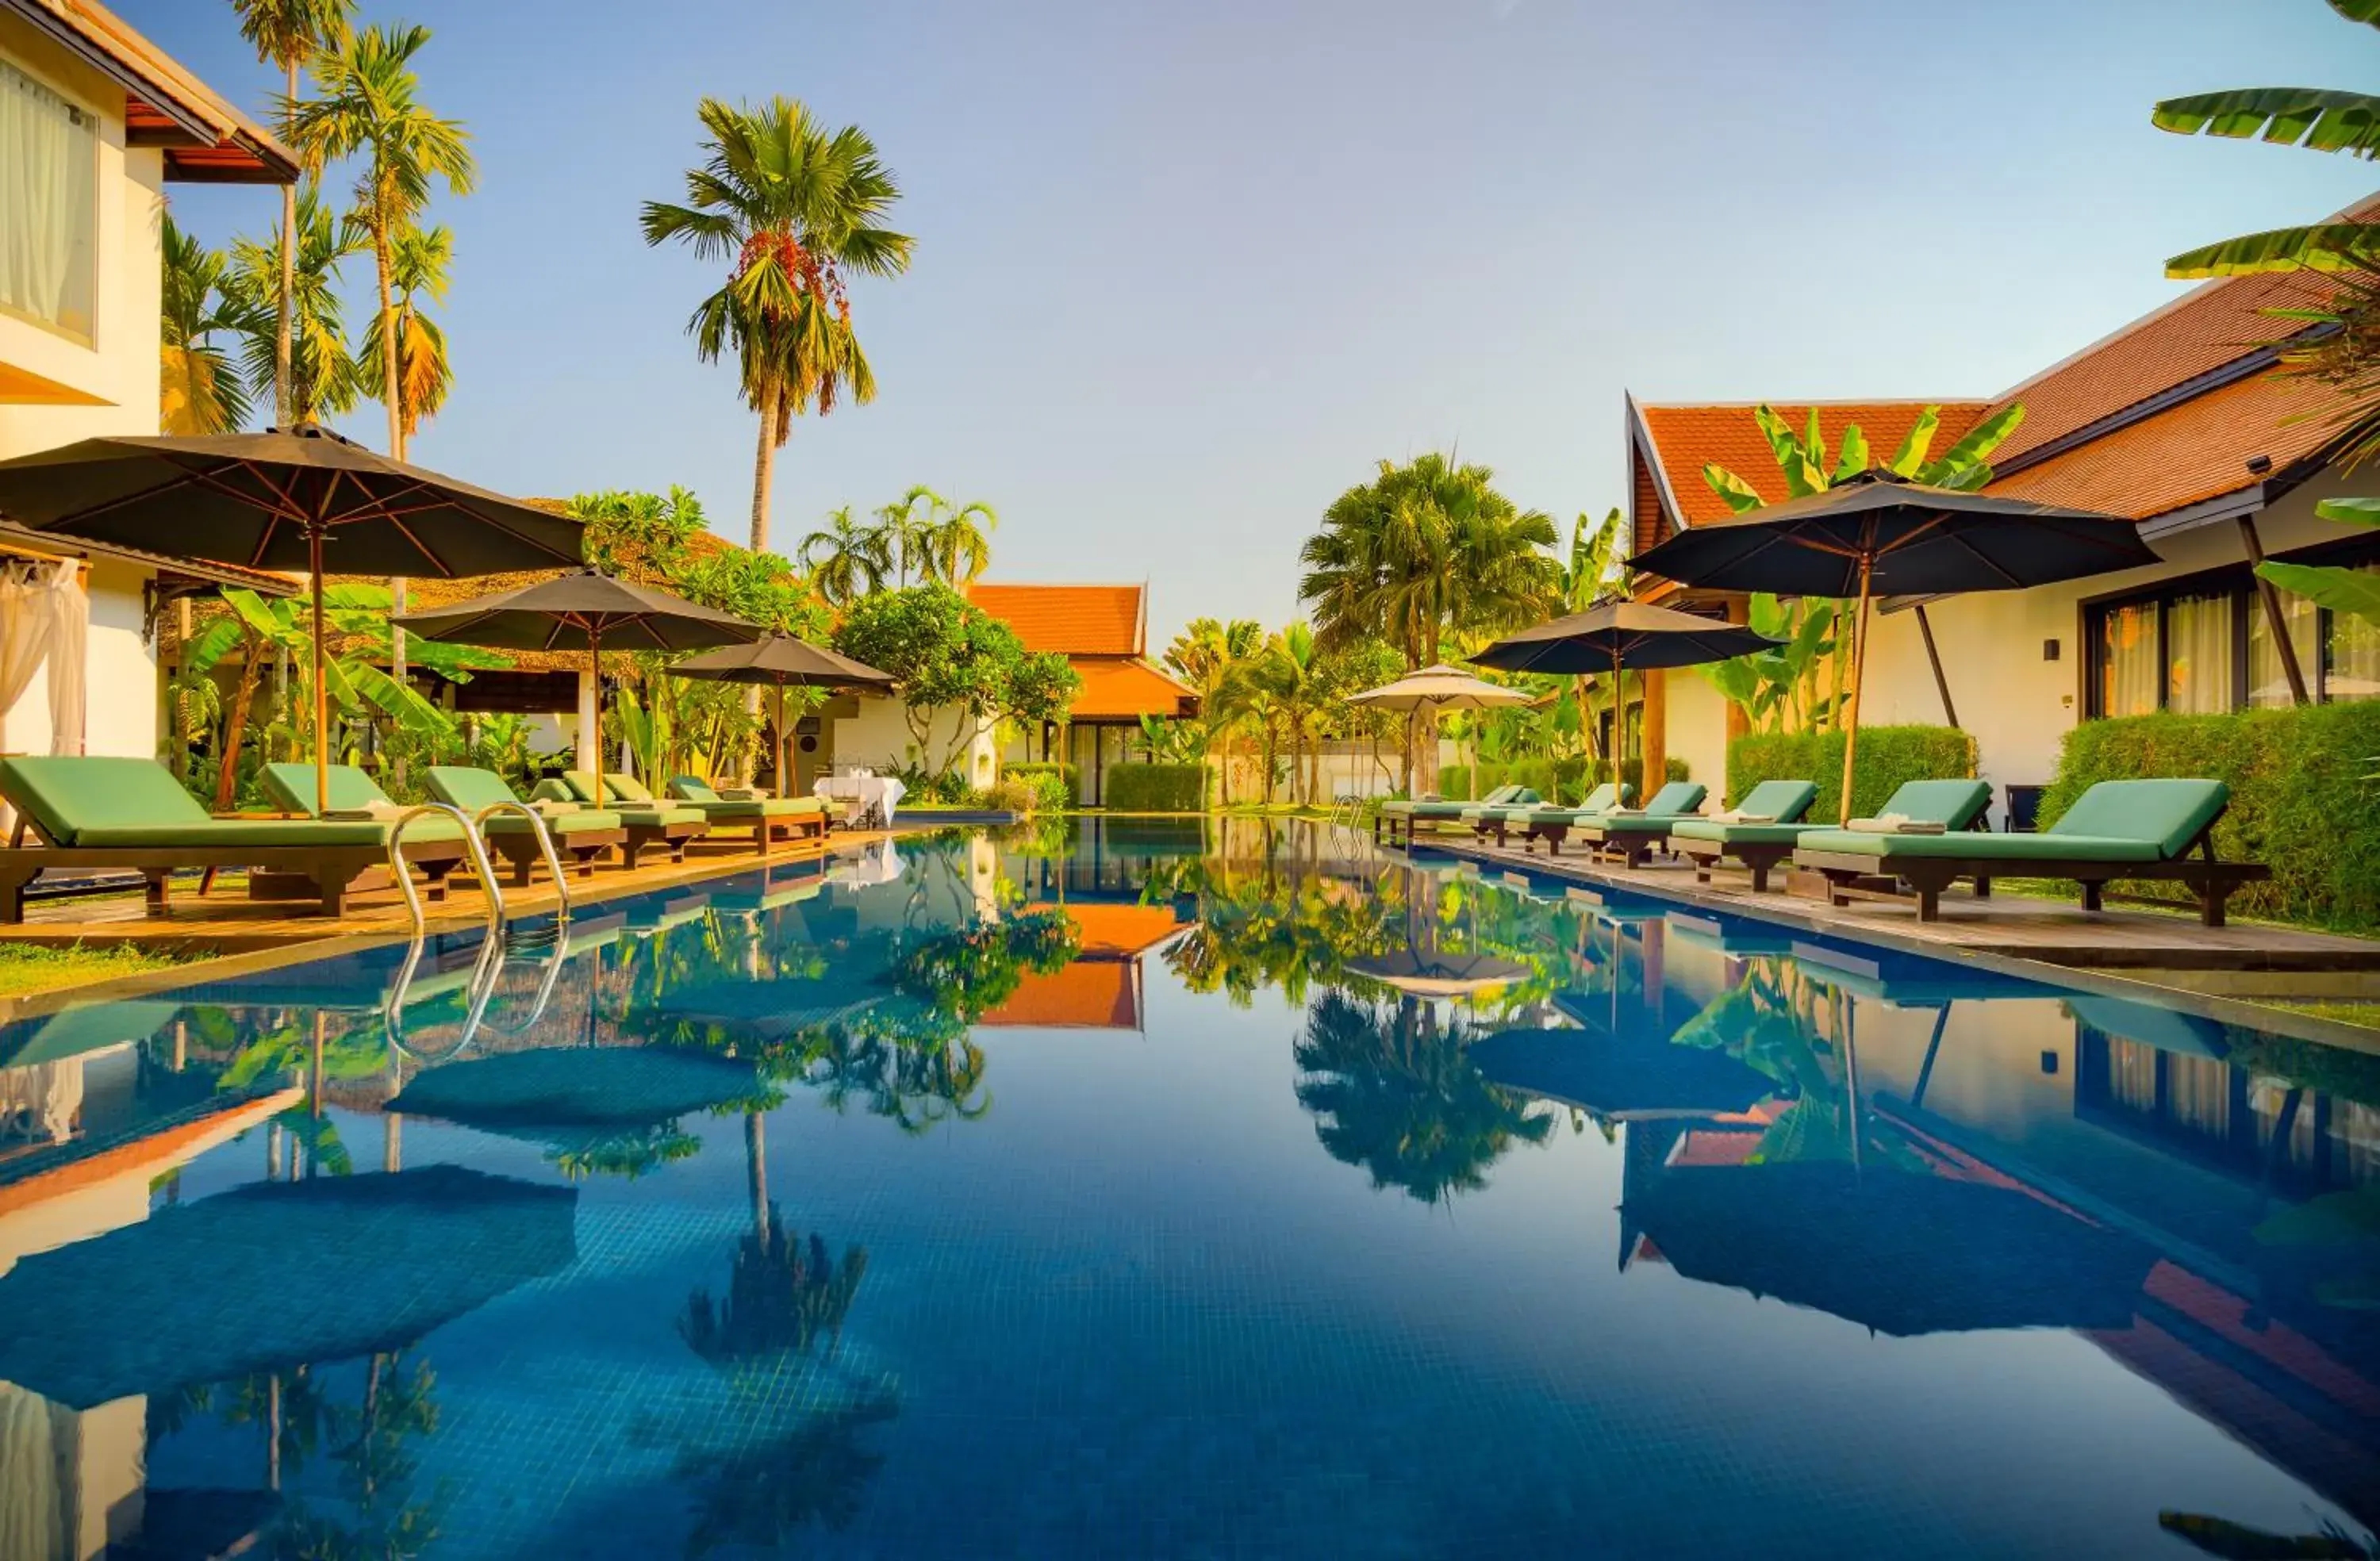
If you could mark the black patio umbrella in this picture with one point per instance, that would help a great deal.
(1620, 1077)
(1617, 635)
(786, 662)
(299, 499)
(276, 1274)
(1898, 1252)
(1880, 533)
(579, 1086)
(579, 612)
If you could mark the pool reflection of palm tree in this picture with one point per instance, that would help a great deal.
(1393, 1093)
(759, 1496)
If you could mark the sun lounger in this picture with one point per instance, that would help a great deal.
(434, 844)
(2116, 829)
(1631, 837)
(1552, 824)
(767, 818)
(649, 820)
(1954, 805)
(129, 814)
(581, 835)
(1400, 811)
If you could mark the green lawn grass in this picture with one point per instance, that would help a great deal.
(26, 967)
(2366, 1015)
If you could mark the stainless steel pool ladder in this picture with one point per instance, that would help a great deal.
(485, 972)
(475, 841)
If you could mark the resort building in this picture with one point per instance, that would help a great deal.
(1103, 632)
(94, 124)
(2177, 421)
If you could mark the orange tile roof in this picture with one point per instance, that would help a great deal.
(1119, 687)
(1069, 620)
(2194, 452)
(1685, 439)
(165, 99)
(1112, 930)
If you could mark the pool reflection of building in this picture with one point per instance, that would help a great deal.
(1103, 986)
(2138, 1120)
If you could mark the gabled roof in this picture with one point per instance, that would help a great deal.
(205, 139)
(1685, 439)
(1123, 687)
(1071, 619)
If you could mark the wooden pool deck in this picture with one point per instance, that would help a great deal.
(227, 922)
(2007, 925)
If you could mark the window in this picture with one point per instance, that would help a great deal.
(2204, 645)
(49, 206)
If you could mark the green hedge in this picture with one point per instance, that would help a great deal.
(1888, 755)
(2299, 800)
(1562, 779)
(1156, 788)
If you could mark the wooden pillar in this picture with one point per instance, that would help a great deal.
(589, 759)
(1657, 732)
(1738, 720)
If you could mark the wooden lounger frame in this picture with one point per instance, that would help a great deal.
(579, 848)
(2212, 881)
(643, 835)
(766, 832)
(333, 868)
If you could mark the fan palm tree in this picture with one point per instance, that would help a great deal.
(956, 548)
(321, 376)
(903, 526)
(202, 392)
(845, 559)
(291, 33)
(2316, 118)
(369, 109)
(423, 258)
(1205, 655)
(793, 206)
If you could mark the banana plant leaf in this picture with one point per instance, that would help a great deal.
(1896, 1251)
(273, 1276)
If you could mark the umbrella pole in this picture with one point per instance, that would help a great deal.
(595, 664)
(785, 781)
(322, 694)
(1859, 669)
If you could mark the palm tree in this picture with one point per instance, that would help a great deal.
(845, 559)
(369, 109)
(793, 206)
(321, 376)
(1424, 551)
(422, 261)
(202, 392)
(903, 528)
(1206, 655)
(291, 33)
(956, 548)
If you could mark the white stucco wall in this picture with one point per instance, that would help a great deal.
(878, 737)
(2018, 704)
(120, 701)
(119, 364)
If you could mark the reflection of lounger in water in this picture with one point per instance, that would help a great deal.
(273, 1276)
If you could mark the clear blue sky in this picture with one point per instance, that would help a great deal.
(1186, 269)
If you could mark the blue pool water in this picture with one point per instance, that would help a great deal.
(1171, 1191)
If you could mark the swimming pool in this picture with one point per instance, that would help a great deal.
(1171, 1189)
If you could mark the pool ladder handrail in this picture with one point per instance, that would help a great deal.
(545, 846)
(485, 972)
(472, 843)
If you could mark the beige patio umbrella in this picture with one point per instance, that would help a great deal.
(1438, 689)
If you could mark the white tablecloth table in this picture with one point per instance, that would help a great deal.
(865, 798)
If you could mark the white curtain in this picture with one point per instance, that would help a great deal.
(32, 1509)
(22, 626)
(2198, 654)
(69, 637)
(48, 203)
(2128, 665)
(2268, 684)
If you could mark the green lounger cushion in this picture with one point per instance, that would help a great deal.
(1539, 813)
(2114, 821)
(585, 820)
(1671, 804)
(1449, 807)
(1954, 805)
(693, 789)
(469, 788)
(1782, 801)
(292, 786)
(1743, 834)
(128, 804)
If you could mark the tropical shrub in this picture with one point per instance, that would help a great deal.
(949, 654)
(1567, 779)
(1888, 755)
(1157, 788)
(1052, 784)
(2302, 798)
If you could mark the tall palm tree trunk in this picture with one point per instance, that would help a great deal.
(388, 342)
(284, 396)
(764, 466)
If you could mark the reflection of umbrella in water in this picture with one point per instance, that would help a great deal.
(86, 1027)
(1899, 1252)
(2167, 1029)
(764, 1010)
(274, 1274)
(579, 1086)
(1619, 1077)
(1423, 973)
